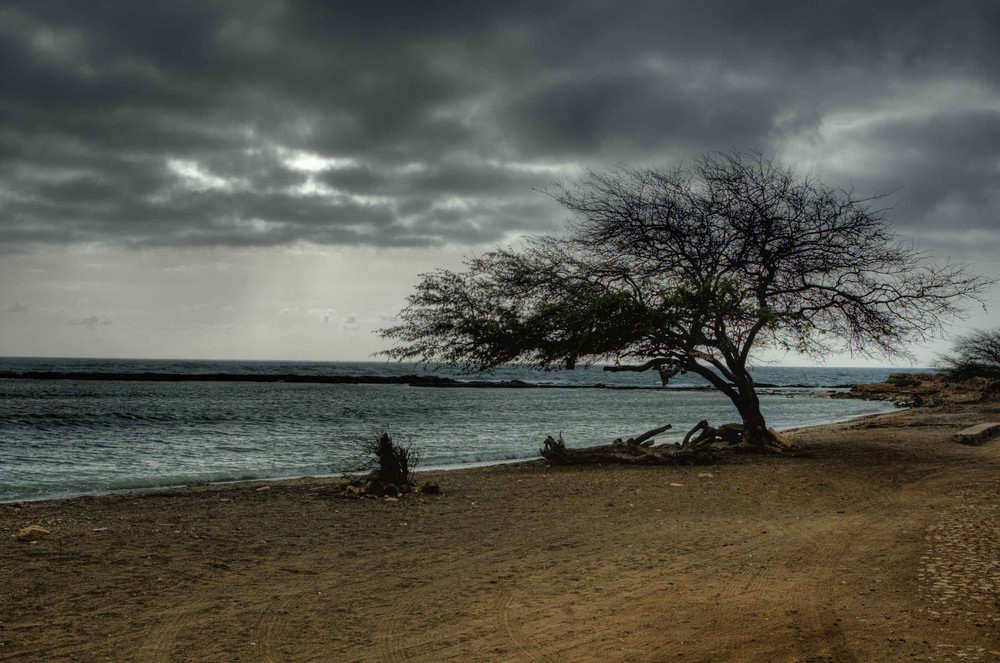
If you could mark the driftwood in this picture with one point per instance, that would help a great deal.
(638, 450)
(701, 445)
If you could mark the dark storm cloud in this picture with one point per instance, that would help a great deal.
(943, 170)
(178, 123)
(607, 110)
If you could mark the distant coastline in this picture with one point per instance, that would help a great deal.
(408, 380)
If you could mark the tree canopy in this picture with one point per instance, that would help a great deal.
(974, 355)
(695, 268)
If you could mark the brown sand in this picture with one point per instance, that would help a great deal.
(883, 546)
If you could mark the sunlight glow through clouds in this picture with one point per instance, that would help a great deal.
(314, 163)
(197, 178)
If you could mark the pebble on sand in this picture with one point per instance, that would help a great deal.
(32, 533)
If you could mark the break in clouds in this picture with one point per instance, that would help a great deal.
(216, 122)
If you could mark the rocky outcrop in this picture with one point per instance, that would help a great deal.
(925, 389)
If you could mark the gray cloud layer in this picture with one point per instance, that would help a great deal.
(223, 122)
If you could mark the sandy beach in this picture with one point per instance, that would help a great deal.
(880, 544)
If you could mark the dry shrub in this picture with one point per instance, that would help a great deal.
(383, 461)
(395, 462)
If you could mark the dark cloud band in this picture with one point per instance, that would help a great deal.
(410, 124)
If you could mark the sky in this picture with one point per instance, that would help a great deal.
(266, 179)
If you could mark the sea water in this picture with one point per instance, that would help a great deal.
(72, 437)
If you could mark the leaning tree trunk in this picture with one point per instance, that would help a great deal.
(755, 430)
(754, 425)
(740, 391)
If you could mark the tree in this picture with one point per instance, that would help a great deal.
(695, 268)
(975, 355)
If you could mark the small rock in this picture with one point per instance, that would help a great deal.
(32, 533)
(389, 498)
(706, 475)
(677, 485)
(430, 489)
(263, 488)
(353, 491)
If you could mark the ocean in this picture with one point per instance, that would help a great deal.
(66, 437)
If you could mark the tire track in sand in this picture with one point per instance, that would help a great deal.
(829, 546)
(276, 615)
(396, 640)
(161, 640)
(396, 634)
(782, 546)
(597, 594)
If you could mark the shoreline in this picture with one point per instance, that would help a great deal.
(445, 467)
(117, 492)
(880, 545)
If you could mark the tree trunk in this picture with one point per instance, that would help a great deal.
(740, 391)
(756, 433)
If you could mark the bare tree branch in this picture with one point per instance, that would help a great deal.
(701, 266)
